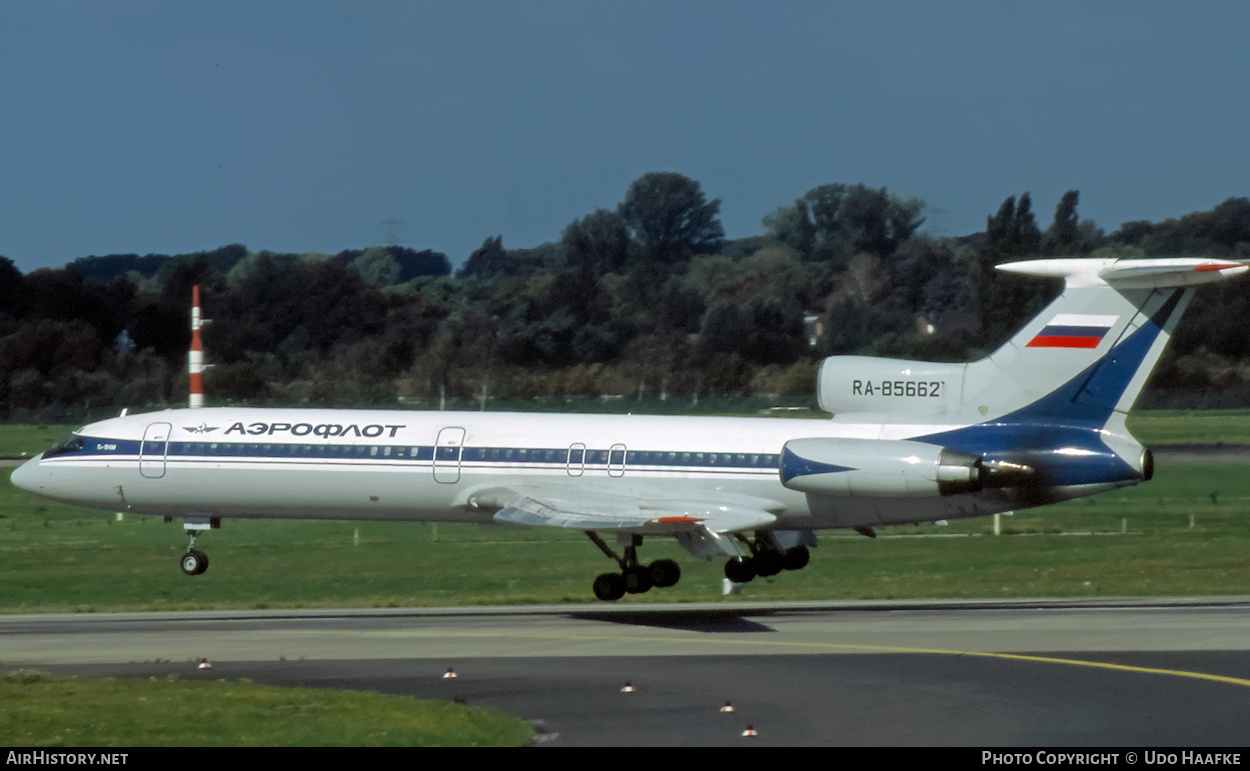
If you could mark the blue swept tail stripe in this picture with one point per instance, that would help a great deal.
(1063, 429)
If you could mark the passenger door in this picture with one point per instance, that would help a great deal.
(152, 450)
(447, 450)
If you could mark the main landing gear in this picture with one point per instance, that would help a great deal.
(767, 559)
(633, 578)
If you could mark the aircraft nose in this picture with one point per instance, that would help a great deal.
(25, 475)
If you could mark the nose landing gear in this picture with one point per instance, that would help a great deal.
(194, 562)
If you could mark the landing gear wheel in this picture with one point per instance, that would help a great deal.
(740, 571)
(637, 579)
(797, 557)
(664, 573)
(194, 562)
(609, 587)
(768, 563)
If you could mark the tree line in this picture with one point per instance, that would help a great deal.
(646, 301)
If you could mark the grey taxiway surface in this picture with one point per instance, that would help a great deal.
(1107, 672)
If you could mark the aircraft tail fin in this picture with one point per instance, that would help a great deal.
(1084, 358)
(1090, 352)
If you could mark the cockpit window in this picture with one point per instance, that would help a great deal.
(73, 443)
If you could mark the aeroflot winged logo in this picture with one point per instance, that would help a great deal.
(322, 429)
(1073, 330)
(301, 429)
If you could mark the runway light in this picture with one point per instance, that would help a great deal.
(750, 732)
(727, 708)
(628, 688)
(450, 673)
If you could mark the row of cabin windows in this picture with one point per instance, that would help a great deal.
(249, 449)
(469, 454)
(600, 457)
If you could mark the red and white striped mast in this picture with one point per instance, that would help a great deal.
(195, 358)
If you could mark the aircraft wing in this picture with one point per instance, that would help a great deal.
(557, 506)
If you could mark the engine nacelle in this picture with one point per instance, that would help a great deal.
(894, 386)
(877, 468)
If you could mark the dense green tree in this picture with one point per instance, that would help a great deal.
(599, 241)
(833, 222)
(723, 328)
(1063, 236)
(414, 264)
(51, 347)
(679, 307)
(927, 278)
(774, 333)
(794, 227)
(1225, 230)
(1068, 234)
(1012, 232)
(376, 266)
(668, 214)
(336, 307)
(11, 298)
(411, 263)
(1028, 238)
(237, 381)
(489, 259)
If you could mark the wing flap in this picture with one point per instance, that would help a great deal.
(552, 506)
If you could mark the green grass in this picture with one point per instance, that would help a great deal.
(1191, 427)
(18, 440)
(40, 711)
(58, 558)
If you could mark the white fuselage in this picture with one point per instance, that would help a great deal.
(426, 466)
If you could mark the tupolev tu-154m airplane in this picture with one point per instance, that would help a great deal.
(1040, 420)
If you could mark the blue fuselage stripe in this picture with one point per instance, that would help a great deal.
(475, 457)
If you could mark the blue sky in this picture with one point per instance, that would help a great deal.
(301, 126)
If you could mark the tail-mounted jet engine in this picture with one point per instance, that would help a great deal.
(879, 468)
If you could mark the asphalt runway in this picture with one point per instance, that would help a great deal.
(1062, 673)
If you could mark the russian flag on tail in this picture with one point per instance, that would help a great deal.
(1073, 330)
